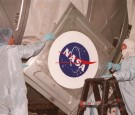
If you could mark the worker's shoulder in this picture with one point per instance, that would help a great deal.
(8, 47)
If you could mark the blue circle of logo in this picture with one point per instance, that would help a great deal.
(72, 60)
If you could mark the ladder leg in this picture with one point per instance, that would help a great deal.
(105, 98)
(84, 96)
(97, 96)
(118, 96)
(120, 101)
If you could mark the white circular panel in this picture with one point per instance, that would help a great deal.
(72, 59)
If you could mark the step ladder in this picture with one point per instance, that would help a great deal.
(103, 102)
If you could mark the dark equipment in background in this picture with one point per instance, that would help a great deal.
(100, 88)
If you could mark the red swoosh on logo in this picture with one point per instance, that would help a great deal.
(82, 61)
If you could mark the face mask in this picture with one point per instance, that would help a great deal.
(125, 53)
(129, 50)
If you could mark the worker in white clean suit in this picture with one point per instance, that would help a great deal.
(13, 100)
(126, 75)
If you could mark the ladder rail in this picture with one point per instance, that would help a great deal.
(106, 101)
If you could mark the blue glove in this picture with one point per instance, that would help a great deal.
(111, 65)
(116, 66)
(24, 65)
(49, 36)
(106, 76)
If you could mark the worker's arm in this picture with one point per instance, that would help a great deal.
(30, 50)
(126, 74)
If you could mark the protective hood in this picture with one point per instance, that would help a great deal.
(5, 35)
(130, 50)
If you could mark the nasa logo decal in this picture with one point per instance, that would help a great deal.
(72, 59)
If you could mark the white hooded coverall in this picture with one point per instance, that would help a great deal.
(13, 100)
(126, 79)
(126, 76)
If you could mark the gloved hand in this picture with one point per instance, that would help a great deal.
(117, 66)
(24, 65)
(49, 36)
(107, 76)
(111, 65)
